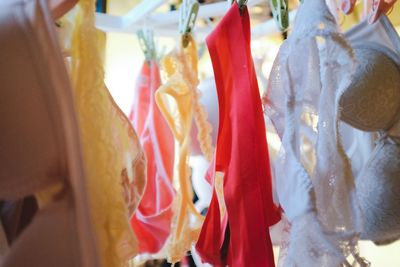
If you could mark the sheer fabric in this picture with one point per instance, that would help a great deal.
(152, 220)
(115, 162)
(313, 68)
(180, 90)
(239, 236)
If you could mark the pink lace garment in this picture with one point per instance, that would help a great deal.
(312, 69)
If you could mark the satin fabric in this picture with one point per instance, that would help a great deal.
(152, 220)
(241, 237)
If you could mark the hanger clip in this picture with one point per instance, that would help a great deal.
(147, 44)
(280, 12)
(241, 4)
(187, 19)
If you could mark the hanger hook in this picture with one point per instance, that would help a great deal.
(241, 3)
(147, 44)
(280, 12)
(187, 19)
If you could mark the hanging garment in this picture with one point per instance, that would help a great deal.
(115, 161)
(241, 160)
(152, 220)
(180, 67)
(371, 103)
(40, 142)
(314, 179)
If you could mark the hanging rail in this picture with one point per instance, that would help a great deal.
(141, 14)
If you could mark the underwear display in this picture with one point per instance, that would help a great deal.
(203, 171)
(152, 220)
(180, 67)
(371, 103)
(239, 236)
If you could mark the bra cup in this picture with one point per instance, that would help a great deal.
(372, 100)
(378, 191)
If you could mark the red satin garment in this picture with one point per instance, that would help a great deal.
(241, 238)
(152, 220)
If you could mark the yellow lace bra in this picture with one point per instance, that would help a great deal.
(180, 68)
(115, 162)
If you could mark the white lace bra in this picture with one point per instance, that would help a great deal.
(372, 103)
(378, 191)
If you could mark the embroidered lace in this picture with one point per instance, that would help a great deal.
(313, 67)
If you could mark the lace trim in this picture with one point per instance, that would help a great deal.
(180, 67)
(109, 142)
(296, 94)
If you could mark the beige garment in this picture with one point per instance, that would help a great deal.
(40, 142)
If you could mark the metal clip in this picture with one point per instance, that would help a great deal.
(187, 19)
(147, 44)
(280, 12)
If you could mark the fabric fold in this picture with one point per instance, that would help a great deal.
(313, 68)
(241, 237)
(152, 220)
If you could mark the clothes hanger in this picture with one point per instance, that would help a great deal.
(161, 22)
(241, 3)
(147, 44)
(280, 12)
(187, 19)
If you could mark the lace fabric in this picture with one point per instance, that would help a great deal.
(378, 188)
(180, 67)
(313, 68)
(371, 103)
(115, 162)
(376, 82)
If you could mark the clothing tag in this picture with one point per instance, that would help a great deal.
(219, 189)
